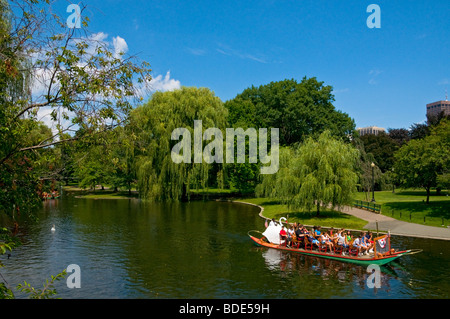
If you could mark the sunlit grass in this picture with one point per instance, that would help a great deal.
(327, 218)
(410, 205)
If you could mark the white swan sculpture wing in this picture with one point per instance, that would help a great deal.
(272, 233)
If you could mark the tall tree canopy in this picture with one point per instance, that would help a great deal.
(318, 173)
(382, 147)
(297, 109)
(421, 162)
(159, 177)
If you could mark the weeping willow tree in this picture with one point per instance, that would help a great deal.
(316, 174)
(159, 177)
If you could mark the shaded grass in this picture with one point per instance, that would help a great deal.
(109, 195)
(99, 193)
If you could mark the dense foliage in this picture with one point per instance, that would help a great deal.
(318, 173)
(297, 109)
(153, 123)
(425, 162)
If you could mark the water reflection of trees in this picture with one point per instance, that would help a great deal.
(333, 278)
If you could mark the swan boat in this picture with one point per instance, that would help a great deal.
(382, 253)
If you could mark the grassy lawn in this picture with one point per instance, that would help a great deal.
(409, 205)
(329, 218)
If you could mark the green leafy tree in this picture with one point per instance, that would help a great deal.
(159, 177)
(319, 173)
(382, 147)
(81, 82)
(364, 169)
(399, 135)
(123, 141)
(421, 161)
(243, 176)
(297, 109)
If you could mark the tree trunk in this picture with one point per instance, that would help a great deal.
(184, 196)
(318, 209)
(428, 195)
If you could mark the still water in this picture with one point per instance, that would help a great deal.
(129, 249)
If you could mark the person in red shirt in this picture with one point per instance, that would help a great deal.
(283, 235)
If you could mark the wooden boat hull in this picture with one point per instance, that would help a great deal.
(360, 260)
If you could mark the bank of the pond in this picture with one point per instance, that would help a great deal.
(271, 208)
(350, 218)
(106, 193)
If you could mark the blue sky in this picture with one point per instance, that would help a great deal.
(381, 77)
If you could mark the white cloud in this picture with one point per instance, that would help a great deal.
(99, 36)
(42, 76)
(227, 50)
(159, 83)
(194, 51)
(374, 73)
(120, 46)
(345, 90)
(136, 24)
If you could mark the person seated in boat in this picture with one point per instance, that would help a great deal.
(369, 240)
(332, 232)
(360, 245)
(311, 238)
(283, 236)
(349, 236)
(325, 240)
(294, 241)
(300, 233)
(291, 231)
(317, 232)
(342, 239)
(365, 241)
(290, 235)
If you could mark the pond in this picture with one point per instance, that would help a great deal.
(131, 249)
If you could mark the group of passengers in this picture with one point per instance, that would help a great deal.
(296, 235)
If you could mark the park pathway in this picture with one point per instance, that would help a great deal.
(398, 227)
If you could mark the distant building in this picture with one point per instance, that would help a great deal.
(370, 130)
(435, 108)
